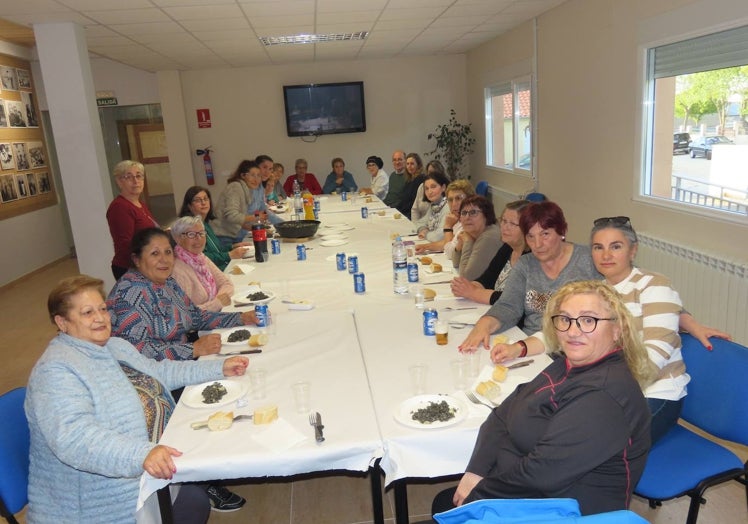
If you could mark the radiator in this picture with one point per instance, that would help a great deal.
(500, 198)
(713, 289)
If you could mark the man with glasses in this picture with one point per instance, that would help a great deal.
(397, 180)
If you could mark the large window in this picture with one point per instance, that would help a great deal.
(697, 95)
(509, 125)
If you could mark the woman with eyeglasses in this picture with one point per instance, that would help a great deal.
(490, 285)
(431, 226)
(580, 428)
(457, 191)
(197, 202)
(480, 240)
(127, 213)
(199, 278)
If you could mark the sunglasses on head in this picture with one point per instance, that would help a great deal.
(613, 221)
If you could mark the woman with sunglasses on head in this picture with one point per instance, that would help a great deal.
(199, 278)
(481, 239)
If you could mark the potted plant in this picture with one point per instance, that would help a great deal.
(454, 142)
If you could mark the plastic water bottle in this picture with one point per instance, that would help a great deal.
(298, 206)
(399, 267)
(296, 187)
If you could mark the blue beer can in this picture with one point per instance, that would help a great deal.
(429, 321)
(301, 252)
(364, 212)
(412, 271)
(340, 261)
(343, 196)
(353, 264)
(262, 314)
(359, 283)
(275, 246)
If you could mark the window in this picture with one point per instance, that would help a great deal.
(697, 93)
(509, 125)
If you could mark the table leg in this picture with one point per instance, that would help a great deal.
(375, 476)
(164, 504)
(401, 501)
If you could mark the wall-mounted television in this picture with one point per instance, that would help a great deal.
(324, 109)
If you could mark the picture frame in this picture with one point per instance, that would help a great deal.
(7, 160)
(31, 184)
(8, 191)
(16, 113)
(22, 156)
(42, 182)
(3, 114)
(36, 154)
(8, 78)
(28, 102)
(24, 78)
(23, 191)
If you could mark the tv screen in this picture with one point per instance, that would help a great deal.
(324, 109)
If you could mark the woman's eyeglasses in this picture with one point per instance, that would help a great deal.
(130, 177)
(505, 222)
(194, 234)
(200, 200)
(469, 212)
(586, 324)
(613, 221)
(456, 198)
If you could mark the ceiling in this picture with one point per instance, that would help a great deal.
(200, 34)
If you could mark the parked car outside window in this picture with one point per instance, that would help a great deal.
(703, 146)
(680, 143)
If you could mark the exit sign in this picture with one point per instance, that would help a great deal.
(107, 101)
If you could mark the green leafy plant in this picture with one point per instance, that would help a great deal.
(454, 143)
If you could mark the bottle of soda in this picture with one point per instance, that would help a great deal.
(260, 239)
(308, 203)
(399, 267)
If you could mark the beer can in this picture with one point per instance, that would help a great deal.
(343, 196)
(301, 252)
(316, 206)
(340, 261)
(262, 314)
(359, 283)
(353, 264)
(316, 213)
(412, 271)
(364, 212)
(275, 245)
(429, 321)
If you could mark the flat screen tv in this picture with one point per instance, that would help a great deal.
(325, 109)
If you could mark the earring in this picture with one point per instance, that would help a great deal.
(563, 237)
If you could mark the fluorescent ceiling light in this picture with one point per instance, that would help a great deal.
(312, 39)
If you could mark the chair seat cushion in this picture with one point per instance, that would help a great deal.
(667, 475)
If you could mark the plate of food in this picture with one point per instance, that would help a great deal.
(332, 242)
(430, 412)
(213, 394)
(235, 337)
(278, 208)
(252, 295)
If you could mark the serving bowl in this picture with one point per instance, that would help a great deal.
(297, 228)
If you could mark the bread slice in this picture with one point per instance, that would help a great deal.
(265, 415)
(429, 294)
(436, 268)
(499, 373)
(489, 389)
(220, 420)
(426, 261)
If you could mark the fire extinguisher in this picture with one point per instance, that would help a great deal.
(208, 164)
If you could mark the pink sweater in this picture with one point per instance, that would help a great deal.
(187, 280)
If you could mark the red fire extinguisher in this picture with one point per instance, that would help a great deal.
(208, 164)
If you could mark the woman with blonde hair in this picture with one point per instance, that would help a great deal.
(457, 191)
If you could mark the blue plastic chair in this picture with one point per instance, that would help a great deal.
(535, 197)
(14, 454)
(481, 188)
(684, 463)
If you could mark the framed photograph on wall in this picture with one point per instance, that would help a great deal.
(31, 184)
(16, 113)
(42, 182)
(6, 157)
(36, 155)
(24, 78)
(23, 190)
(22, 157)
(8, 78)
(28, 102)
(8, 190)
(3, 114)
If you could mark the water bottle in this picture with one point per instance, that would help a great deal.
(296, 187)
(298, 205)
(399, 267)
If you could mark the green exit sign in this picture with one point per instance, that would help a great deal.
(107, 101)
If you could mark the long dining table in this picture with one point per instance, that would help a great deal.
(355, 351)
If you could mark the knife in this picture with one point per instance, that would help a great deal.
(204, 423)
(318, 427)
(245, 352)
(521, 364)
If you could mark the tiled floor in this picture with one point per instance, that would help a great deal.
(24, 334)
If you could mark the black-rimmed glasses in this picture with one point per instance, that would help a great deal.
(194, 234)
(200, 200)
(469, 212)
(585, 323)
(613, 221)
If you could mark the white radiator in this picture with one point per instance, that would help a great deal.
(713, 289)
(500, 198)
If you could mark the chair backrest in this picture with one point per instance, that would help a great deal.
(14, 450)
(535, 197)
(481, 188)
(717, 399)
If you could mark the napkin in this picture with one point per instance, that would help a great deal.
(278, 436)
(245, 268)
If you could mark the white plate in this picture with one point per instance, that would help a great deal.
(332, 235)
(340, 227)
(466, 318)
(514, 378)
(278, 209)
(333, 242)
(403, 413)
(241, 298)
(194, 396)
(225, 337)
(427, 269)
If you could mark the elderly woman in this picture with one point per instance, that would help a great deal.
(380, 180)
(96, 410)
(339, 180)
(479, 241)
(414, 174)
(197, 202)
(431, 225)
(580, 429)
(150, 310)
(457, 191)
(502, 263)
(127, 214)
(199, 278)
(306, 180)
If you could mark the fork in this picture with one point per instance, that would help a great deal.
(475, 400)
(450, 308)
(315, 419)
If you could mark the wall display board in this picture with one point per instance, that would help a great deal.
(25, 181)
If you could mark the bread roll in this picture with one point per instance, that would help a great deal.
(425, 261)
(236, 270)
(499, 373)
(500, 339)
(489, 389)
(429, 294)
(397, 216)
(220, 420)
(257, 340)
(265, 415)
(436, 268)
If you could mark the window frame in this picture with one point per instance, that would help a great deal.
(526, 82)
